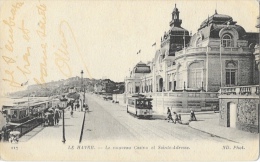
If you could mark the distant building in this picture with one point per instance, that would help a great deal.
(98, 87)
(133, 84)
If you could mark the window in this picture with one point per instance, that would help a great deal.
(227, 41)
(170, 86)
(231, 73)
(137, 89)
(195, 80)
(196, 75)
(180, 80)
(230, 77)
(14, 113)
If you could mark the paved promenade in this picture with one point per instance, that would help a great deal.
(73, 125)
(207, 122)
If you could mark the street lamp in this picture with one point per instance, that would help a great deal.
(63, 102)
(82, 72)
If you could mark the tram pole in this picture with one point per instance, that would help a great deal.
(63, 126)
(63, 102)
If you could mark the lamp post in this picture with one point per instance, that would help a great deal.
(63, 101)
(82, 72)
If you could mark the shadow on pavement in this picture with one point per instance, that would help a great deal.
(158, 117)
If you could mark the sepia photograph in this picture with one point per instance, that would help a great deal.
(148, 80)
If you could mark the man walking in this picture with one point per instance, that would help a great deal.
(56, 117)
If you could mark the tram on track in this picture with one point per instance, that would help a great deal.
(140, 106)
(22, 112)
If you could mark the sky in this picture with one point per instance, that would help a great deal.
(46, 41)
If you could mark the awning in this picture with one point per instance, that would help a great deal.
(74, 96)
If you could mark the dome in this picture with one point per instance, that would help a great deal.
(141, 68)
(217, 18)
(139, 64)
(179, 31)
(212, 31)
(211, 27)
(220, 19)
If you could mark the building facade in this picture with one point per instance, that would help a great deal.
(240, 105)
(220, 54)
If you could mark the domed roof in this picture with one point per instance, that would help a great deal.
(140, 64)
(175, 28)
(141, 68)
(211, 27)
(217, 19)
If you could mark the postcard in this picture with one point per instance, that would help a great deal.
(129, 80)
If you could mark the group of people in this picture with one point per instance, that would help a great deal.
(75, 106)
(177, 118)
(174, 118)
(52, 118)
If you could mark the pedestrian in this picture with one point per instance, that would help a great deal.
(72, 105)
(192, 116)
(60, 113)
(175, 117)
(71, 113)
(51, 118)
(43, 119)
(179, 117)
(77, 105)
(169, 117)
(56, 117)
(87, 108)
(4, 134)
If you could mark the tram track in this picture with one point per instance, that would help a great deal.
(144, 129)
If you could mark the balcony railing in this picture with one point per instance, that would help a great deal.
(191, 50)
(212, 49)
(240, 90)
(184, 94)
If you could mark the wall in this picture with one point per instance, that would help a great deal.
(183, 101)
(244, 70)
(214, 72)
(247, 117)
(245, 66)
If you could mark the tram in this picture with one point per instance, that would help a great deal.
(140, 106)
(22, 112)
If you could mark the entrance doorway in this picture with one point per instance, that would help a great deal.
(174, 85)
(231, 115)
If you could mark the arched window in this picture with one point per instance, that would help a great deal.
(195, 75)
(231, 73)
(227, 40)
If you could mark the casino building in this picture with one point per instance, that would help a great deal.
(188, 70)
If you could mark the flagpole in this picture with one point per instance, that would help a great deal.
(154, 78)
(184, 47)
(220, 57)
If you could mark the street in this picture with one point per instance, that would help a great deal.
(109, 121)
